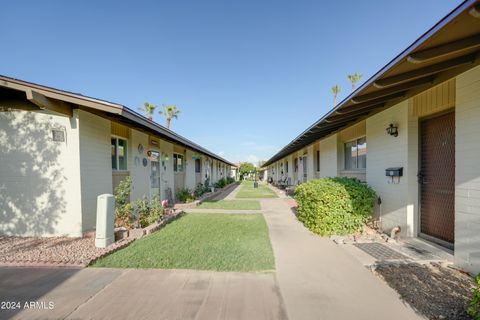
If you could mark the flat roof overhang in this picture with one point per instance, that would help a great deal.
(448, 49)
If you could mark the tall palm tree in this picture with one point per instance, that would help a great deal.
(354, 78)
(149, 109)
(335, 90)
(170, 112)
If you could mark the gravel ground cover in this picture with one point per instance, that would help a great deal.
(433, 290)
(51, 249)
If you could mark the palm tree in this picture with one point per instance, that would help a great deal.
(149, 109)
(170, 112)
(335, 90)
(354, 78)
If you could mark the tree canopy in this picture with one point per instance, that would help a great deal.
(246, 168)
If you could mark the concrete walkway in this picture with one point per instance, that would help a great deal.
(319, 281)
(96, 293)
(314, 279)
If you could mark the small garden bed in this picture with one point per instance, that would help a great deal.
(433, 290)
(237, 242)
(185, 195)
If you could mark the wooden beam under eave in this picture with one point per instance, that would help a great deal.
(445, 49)
(426, 71)
(49, 104)
(394, 89)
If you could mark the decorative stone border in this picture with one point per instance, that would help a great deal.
(205, 197)
(159, 225)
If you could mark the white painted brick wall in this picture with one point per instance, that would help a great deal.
(328, 156)
(467, 174)
(384, 151)
(95, 164)
(39, 178)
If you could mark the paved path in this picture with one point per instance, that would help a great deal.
(96, 293)
(319, 281)
(314, 279)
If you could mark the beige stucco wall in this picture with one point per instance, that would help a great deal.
(467, 175)
(40, 178)
(95, 164)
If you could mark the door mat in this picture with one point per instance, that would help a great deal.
(380, 251)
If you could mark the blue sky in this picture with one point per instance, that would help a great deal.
(249, 76)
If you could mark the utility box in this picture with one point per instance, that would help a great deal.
(104, 234)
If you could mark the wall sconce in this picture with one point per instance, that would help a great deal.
(392, 130)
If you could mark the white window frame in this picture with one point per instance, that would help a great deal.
(183, 163)
(116, 152)
(345, 155)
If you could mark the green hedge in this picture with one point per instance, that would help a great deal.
(334, 206)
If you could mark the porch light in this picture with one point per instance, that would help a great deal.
(392, 130)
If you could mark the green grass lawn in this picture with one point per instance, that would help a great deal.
(248, 191)
(210, 241)
(231, 205)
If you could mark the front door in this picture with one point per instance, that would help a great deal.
(304, 162)
(154, 179)
(437, 178)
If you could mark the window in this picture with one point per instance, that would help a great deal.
(119, 154)
(318, 161)
(198, 166)
(295, 165)
(356, 154)
(286, 166)
(177, 162)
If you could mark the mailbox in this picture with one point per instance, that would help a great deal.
(394, 172)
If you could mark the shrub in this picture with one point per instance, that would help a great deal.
(185, 195)
(474, 308)
(199, 190)
(331, 206)
(141, 209)
(123, 209)
(124, 216)
(230, 180)
(221, 183)
(156, 209)
(122, 192)
(147, 213)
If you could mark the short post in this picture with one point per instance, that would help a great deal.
(104, 234)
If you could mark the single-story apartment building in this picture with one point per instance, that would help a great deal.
(420, 118)
(59, 150)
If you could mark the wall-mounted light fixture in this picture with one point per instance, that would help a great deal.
(392, 130)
